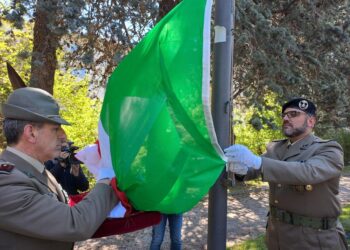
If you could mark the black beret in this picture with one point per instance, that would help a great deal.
(301, 104)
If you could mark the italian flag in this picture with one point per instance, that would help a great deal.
(155, 125)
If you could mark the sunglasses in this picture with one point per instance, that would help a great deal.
(292, 114)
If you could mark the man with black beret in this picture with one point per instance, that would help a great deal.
(303, 172)
(33, 211)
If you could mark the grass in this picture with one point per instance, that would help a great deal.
(256, 244)
(259, 244)
(345, 218)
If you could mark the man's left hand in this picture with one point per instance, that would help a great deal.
(240, 154)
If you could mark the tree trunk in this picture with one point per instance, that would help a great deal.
(165, 6)
(45, 43)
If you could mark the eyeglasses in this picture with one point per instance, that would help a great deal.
(292, 114)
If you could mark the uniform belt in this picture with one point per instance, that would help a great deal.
(300, 220)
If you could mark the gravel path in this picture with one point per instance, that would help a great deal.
(246, 218)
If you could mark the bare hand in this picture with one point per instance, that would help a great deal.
(74, 170)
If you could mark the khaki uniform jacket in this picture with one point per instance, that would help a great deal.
(304, 180)
(33, 213)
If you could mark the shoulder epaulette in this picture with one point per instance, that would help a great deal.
(279, 140)
(322, 140)
(6, 166)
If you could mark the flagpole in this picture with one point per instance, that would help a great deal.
(221, 110)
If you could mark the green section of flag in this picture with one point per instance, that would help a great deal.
(153, 113)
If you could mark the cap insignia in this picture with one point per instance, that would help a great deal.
(303, 104)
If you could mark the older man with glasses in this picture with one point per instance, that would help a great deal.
(303, 172)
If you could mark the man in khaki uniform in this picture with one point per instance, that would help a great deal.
(303, 172)
(33, 213)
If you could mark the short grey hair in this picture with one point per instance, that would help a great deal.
(13, 129)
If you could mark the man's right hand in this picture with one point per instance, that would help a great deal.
(241, 155)
(237, 167)
(106, 181)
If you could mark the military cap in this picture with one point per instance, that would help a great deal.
(301, 104)
(32, 104)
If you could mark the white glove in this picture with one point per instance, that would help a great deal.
(91, 158)
(241, 155)
(105, 173)
(237, 168)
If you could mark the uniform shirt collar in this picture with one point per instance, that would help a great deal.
(290, 144)
(35, 163)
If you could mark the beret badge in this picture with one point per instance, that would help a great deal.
(303, 104)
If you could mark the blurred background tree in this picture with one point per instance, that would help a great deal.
(15, 47)
(249, 130)
(291, 48)
(282, 49)
(70, 88)
(80, 110)
(94, 34)
(294, 48)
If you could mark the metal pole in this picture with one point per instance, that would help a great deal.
(223, 54)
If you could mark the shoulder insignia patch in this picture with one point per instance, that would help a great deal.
(6, 166)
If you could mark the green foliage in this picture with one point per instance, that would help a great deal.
(294, 48)
(79, 109)
(342, 136)
(250, 131)
(71, 92)
(291, 48)
(15, 47)
(346, 170)
(97, 33)
(345, 218)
